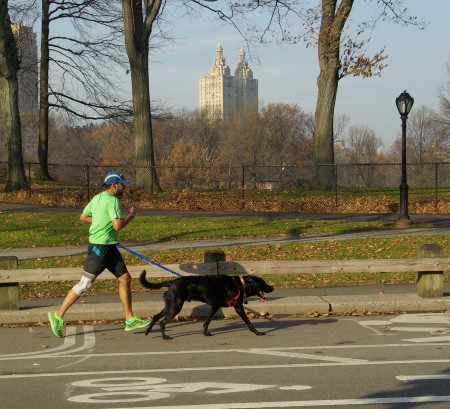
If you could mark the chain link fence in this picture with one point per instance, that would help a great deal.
(351, 188)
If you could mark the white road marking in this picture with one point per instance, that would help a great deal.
(431, 330)
(421, 377)
(374, 323)
(426, 318)
(89, 341)
(311, 403)
(131, 397)
(428, 339)
(69, 341)
(234, 351)
(64, 349)
(226, 368)
(295, 388)
(158, 384)
(78, 361)
(304, 356)
(121, 390)
(133, 390)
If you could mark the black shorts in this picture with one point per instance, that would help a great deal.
(101, 256)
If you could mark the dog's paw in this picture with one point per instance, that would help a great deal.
(207, 334)
(260, 333)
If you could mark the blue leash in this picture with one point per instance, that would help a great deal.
(134, 253)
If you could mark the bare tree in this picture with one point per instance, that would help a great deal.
(364, 148)
(84, 58)
(207, 134)
(363, 145)
(9, 104)
(421, 134)
(441, 122)
(285, 134)
(341, 52)
(243, 140)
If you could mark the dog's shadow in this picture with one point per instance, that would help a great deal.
(265, 325)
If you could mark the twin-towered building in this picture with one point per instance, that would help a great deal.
(222, 94)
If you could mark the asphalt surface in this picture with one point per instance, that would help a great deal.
(310, 302)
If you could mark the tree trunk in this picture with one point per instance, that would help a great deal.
(146, 176)
(9, 102)
(43, 89)
(137, 34)
(323, 144)
(332, 24)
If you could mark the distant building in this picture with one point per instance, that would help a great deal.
(221, 94)
(28, 67)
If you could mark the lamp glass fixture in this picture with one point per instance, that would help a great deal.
(404, 103)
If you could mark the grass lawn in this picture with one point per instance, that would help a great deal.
(21, 230)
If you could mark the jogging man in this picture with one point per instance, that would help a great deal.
(104, 213)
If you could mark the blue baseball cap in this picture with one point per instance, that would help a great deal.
(113, 176)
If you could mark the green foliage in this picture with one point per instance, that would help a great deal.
(21, 230)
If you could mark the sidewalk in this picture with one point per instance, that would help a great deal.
(309, 302)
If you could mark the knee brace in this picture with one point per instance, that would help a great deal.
(84, 284)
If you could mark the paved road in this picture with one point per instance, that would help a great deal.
(386, 362)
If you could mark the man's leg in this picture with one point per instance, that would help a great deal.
(125, 294)
(70, 299)
(131, 322)
(56, 318)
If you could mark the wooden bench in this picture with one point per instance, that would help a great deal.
(430, 271)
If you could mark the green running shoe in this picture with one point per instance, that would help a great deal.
(135, 323)
(57, 323)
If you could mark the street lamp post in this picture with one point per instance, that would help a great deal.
(404, 104)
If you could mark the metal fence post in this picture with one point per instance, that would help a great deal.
(336, 184)
(436, 186)
(29, 177)
(243, 187)
(88, 179)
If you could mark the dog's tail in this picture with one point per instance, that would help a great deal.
(152, 286)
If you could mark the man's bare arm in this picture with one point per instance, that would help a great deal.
(86, 218)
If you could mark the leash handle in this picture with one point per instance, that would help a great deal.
(149, 260)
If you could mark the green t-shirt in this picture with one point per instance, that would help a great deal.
(103, 208)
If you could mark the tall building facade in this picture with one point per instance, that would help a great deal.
(223, 94)
(28, 66)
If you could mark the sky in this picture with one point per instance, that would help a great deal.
(286, 73)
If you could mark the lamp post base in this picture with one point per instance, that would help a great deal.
(403, 222)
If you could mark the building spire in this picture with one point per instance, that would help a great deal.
(221, 94)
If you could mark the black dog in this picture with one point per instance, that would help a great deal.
(216, 291)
